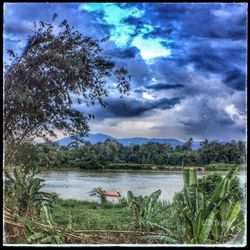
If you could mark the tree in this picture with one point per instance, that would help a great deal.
(187, 145)
(57, 67)
(48, 152)
(26, 155)
(93, 161)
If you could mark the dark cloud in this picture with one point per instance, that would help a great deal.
(171, 70)
(220, 20)
(207, 60)
(134, 21)
(193, 44)
(123, 53)
(161, 86)
(235, 79)
(139, 90)
(129, 107)
(159, 32)
(209, 122)
(138, 68)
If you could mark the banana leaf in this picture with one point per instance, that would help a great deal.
(206, 228)
(233, 216)
(155, 195)
(225, 208)
(200, 218)
(217, 196)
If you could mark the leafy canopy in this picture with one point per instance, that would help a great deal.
(58, 67)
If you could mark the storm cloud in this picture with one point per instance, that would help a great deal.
(129, 107)
(187, 61)
(160, 86)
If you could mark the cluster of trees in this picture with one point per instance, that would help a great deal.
(99, 155)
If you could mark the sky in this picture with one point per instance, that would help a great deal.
(187, 61)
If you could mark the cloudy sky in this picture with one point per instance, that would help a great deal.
(187, 61)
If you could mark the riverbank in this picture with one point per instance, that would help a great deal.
(153, 167)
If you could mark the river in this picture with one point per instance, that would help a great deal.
(75, 184)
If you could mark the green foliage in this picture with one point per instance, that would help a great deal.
(203, 213)
(26, 155)
(230, 153)
(71, 203)
(204, 220)
(123, 202)
(113, 155)
(46, 235)
(100, 193)
(145, 208)
(168, 221)
(93, 161)
(208, 183)
(23, 192)
(91, 215)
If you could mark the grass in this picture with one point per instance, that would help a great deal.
(87, 215)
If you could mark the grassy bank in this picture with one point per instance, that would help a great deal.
(85, 215)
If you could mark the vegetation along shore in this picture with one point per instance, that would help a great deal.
(149, 156)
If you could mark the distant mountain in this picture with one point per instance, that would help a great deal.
(94, 138)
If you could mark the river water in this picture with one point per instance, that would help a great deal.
(75, 184)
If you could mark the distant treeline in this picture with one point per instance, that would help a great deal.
(100, 155)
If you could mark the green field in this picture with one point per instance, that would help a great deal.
(91, 215)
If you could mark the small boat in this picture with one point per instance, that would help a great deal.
(114, 195)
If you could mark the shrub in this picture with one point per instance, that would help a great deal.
(99, 192)
(23, 192)
(208, 183)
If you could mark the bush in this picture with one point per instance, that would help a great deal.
(208, 183)
(100, 193)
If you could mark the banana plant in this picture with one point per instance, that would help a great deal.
(45, 235)
(23, 192)
(211, 221)
(144, 208)
(208, 221)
